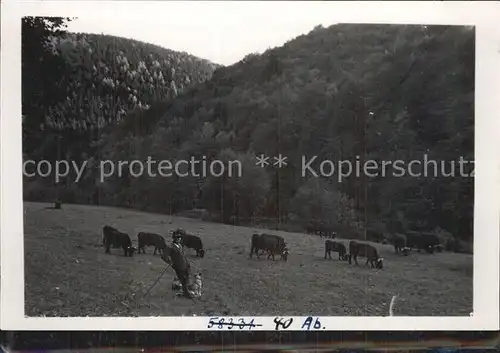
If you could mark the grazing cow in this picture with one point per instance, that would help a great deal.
(325, 231)
(190, 241)
(430, 242)
(273, 244)
(364, 250)
(422, 241)
(115, 238)
(321, 229)
(150, 239)
(335, 247)
(413, 240)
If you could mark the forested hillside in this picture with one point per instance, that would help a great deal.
(99, 80)
(112, 76)
(345, 92)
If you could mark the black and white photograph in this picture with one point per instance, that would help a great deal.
(255, 160)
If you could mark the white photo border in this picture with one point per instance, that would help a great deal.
(481, 14)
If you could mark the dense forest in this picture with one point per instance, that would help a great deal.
(347, 92)
(90, 82)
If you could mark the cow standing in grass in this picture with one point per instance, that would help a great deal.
(273, 244)
(335, 247)
(430, 242)
(150, 239)
(364, 250)
(326, 232)
(422, 241)
(113, 237)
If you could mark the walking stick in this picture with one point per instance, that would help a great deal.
(166, 268)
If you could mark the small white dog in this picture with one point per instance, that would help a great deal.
(197, 285)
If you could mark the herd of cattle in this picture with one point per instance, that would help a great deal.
(113, 238)
(322, 230)
(275, 245)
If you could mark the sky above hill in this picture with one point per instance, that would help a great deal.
(222, 35)
(225, 31)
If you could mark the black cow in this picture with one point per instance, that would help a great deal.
(190, 241)
(321, 229)
(273, 244)
(335, 247)
(422, 241)
(413, 241)
(150, 239)
(326, 232)
(364, 250)
(431, 243)
(115, 238)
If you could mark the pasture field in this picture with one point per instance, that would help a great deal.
(67, 272)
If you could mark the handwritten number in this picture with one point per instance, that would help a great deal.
(211, 322)
(220, 322)
(278, 323)
(284, 324)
